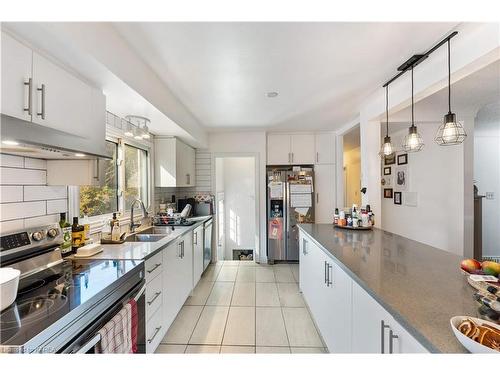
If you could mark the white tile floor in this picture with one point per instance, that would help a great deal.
(244, 307)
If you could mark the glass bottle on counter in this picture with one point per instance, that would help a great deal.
(66, 234)
(336, 217)
(77, 235)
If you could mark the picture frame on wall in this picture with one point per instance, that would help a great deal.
(402, 159)
(401, 178)
(390, 159)
(387, 171)
(387, 193)
(386, 181)
(397, 198)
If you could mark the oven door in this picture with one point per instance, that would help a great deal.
(86, 341)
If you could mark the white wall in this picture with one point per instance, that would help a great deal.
(25, 200)
(247, 142)
(436, 175)
(487, 173)
(352, 176)
(239, 202)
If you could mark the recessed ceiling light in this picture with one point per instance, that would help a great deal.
(272, 94)
(79, 155)
(10, 143)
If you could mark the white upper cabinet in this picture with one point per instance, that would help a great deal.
(325, 148)
(61, 101)
(302, 148)
(283, 149)
(324, 181)
(174, 163)
(278, 149)
(16, 78)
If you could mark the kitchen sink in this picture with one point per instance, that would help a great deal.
(156, 230)
(142, 237)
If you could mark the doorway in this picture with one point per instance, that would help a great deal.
(352, 167)
(235, 185)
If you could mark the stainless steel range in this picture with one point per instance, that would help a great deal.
(62, 303)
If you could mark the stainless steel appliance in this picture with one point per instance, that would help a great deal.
(290, 192)
(207, 243)
(62, 303)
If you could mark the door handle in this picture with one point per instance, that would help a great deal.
(30, 97)
(329, 271)
(292, 157)
(188, 178)
(304, 244)
(96, 177)
(317, 197)
(155, 267)
(42, 90)
(156, 332)
(392, 336)
(195, 238)
(383, 326)
(157, 294)
(317, 157)
(326, 276)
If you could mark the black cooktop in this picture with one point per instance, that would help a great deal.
(47, 296)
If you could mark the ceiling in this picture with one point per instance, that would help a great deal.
(322, 71)
(468, 95)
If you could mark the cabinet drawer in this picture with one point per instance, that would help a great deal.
(153, 266)
(154, 296)
(154, 332)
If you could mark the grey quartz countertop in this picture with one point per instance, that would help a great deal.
(420, 285)
(144, 250)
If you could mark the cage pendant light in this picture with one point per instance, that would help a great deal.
(451, 132)
(413, 142)
(387, 149)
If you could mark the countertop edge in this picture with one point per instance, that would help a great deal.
(399, 318)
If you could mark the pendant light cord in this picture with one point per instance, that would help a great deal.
(412, 105)
(449, 79)
(387, 110)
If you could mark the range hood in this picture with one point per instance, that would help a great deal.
(24, 138)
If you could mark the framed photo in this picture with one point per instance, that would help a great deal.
(397, 197)
(390, 159)
(386, 181)
(402, 159)
(401, 178)
(387, 171)
(387, 193)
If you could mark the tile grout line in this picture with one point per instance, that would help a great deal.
(229, 308)
(283, 317)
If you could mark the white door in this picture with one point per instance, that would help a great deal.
(190, 155)
(278, 149)
(302, 148)
(197, 254)
(172, 279)
(221, 234)
(325, 148)
(402, 341)
(186, 267)
(325, 193)
(61, 101)
(16, 73)
(165, 162)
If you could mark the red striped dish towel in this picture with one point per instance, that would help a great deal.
(134, 324)
(116, 335)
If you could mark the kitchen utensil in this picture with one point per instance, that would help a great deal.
(471, 345)
(9, 282)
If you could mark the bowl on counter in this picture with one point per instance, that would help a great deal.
(470, 344)
(9, 282)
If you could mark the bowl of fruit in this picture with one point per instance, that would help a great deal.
(476, 335)
(474, 267)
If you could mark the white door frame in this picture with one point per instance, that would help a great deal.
(255, 155)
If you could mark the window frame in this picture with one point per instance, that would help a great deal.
(115, 136)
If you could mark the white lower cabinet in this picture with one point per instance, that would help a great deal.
(348, 318)
(197, 254)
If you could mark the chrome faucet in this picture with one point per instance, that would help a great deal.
(144, 215)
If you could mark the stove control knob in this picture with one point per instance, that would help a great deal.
(37, 236)
(52, 232)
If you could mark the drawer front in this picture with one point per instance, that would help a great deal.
(153, 266)
(154, 332)
(154, 296)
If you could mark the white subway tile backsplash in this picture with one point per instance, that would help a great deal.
(9, 194)
(38, 193)
(41, 220)
(11, 211)
(35, 163)
(57, 206)
(11, 161)
(11, 226)
(15, 176)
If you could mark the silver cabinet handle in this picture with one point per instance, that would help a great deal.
(383, 326)
(329, 272)
(156, 332)
(30, 97)
(326, 276)
(96, 177)
(182, 248)
(195, 238)
(392, 336)
(155, 267)
(157, 294)
(188, 178)
(317, 197)
(304, 246)
(289, 159)
(317, 157)
(42, 90)
(292, 157)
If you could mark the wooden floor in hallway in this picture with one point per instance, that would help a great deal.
(244, 307)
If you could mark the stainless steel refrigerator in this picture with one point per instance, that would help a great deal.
(290, 192)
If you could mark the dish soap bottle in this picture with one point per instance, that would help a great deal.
(115, 232)
(66, 233)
